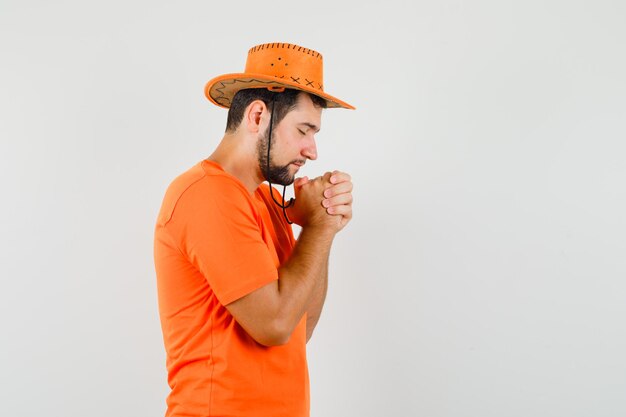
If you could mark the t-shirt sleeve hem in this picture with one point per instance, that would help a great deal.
(237, 293)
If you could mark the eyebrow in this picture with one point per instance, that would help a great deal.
(312, 126)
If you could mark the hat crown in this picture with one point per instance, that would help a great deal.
(289, 62)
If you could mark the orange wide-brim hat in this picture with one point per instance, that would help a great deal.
(275, 66)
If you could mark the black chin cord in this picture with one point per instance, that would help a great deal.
(267, 172)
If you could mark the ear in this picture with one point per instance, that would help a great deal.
(256, 116)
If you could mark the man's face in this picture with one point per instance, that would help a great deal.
(293, 142)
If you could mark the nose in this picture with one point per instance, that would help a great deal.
(310, 149)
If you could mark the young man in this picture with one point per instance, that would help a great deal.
(239, 297)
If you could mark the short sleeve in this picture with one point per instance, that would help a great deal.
(218, 228)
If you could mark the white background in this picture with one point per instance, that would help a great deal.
(484, 273)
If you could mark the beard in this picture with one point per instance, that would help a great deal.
(277, 174)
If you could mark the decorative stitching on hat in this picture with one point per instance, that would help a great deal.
(224, 100)
(307, 51)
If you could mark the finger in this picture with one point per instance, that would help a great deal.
(338, 176)
(344, 210)
(326, 176)
(338, 200)
(341, 188)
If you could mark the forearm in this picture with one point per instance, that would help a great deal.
(316, 303)
(302, 279)
(271, 313)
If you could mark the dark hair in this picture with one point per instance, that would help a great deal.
(283, 104)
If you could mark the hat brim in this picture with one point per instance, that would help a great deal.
(221, 90)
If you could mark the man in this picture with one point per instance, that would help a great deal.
(239, 297)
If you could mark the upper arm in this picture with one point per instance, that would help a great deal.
(259, 314)
(219, 231)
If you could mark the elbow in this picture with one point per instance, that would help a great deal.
(270, 341)
(275, 334)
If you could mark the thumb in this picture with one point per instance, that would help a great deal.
(299, 182)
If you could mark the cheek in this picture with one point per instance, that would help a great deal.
(289, 146)
(291, 141)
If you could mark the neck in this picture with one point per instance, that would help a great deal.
(237, 156)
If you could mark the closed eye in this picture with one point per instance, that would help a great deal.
(301, 132)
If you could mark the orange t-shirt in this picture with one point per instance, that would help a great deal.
(214, 243)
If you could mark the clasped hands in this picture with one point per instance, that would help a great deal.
(324, 201)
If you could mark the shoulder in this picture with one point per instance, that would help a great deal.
(199, 189)
(264, 191)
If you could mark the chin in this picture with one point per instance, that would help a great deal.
(285, 181)
(283, 176)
